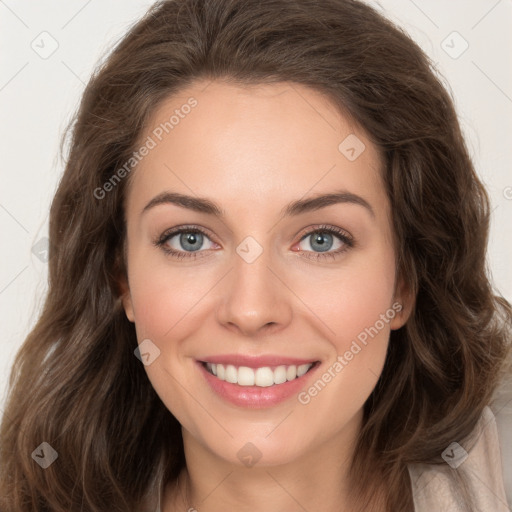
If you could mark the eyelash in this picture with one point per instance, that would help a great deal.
(342, 235)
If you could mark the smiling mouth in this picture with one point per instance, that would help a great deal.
(265, 376)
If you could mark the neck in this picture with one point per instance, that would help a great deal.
(315, 480)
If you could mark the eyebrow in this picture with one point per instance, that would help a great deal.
(298, 207)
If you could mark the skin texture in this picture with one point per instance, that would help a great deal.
(252, 150)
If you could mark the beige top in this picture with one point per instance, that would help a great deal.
(434, 487)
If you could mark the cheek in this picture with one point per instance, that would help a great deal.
(363, 310)
(352, 299)
(163, 296)
(357, 310)
(165, 302)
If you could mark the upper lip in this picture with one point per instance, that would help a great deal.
(256, 361)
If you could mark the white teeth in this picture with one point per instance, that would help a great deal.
(231, 374)
(245, 376)
(280, 375)
(262, 377)
(302, 369)
(291, 372)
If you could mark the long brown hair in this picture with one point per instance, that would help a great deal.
(76, 383)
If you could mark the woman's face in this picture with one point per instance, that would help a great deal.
(258, 282)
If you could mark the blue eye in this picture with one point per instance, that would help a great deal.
(322, 239)
(191, 240)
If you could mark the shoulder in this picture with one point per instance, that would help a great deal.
(437, 487)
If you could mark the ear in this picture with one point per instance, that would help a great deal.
(403, 302)
(123, 288)
(126, 298)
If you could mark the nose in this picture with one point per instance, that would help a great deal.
(254, 298)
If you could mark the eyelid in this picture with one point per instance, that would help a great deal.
(169, 233)
(322, 228)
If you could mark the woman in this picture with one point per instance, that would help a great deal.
(335, 342)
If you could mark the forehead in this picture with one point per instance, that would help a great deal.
(257, 142)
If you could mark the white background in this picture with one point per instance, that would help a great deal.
(39, 95)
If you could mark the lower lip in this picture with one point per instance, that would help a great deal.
(256, 397)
